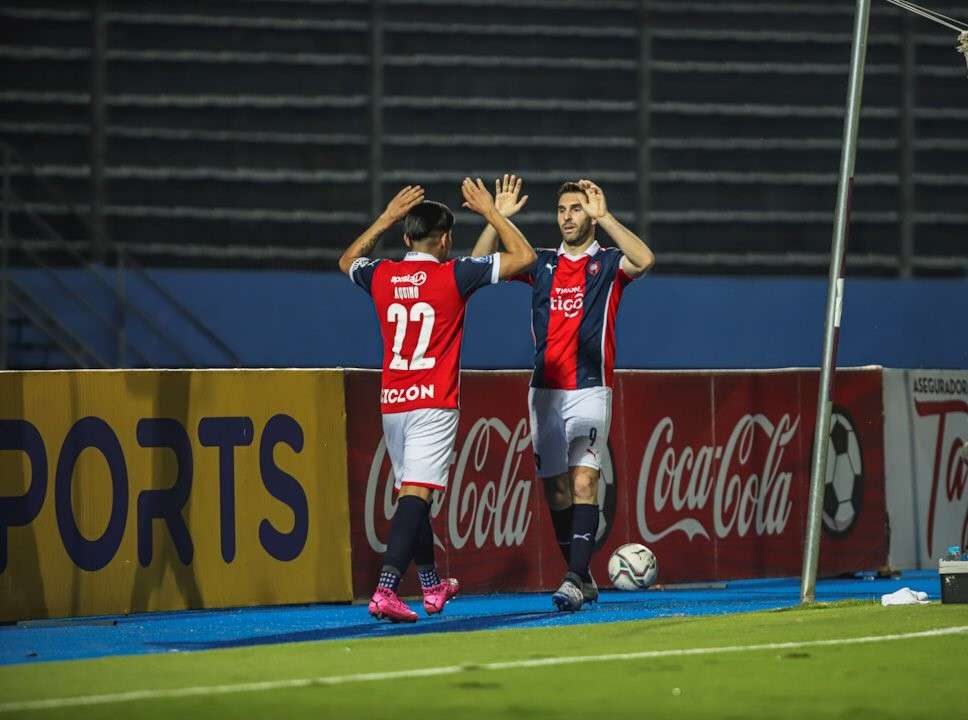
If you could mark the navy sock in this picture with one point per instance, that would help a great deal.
(561, 521)
(404, 532)
(423, 555)
(584, 525)
(423, 551)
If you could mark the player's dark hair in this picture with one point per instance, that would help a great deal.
(570, 186)
(429, 219)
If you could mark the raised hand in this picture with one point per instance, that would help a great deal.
(506, 192)
(595, 206)
(396, 209)
(476, 197)
(403, 202)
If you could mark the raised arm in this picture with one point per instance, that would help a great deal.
(506, 192)
(395, 211)
(519, 254)
(637, 258)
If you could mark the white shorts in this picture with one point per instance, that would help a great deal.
(569, 428)
(420, 443)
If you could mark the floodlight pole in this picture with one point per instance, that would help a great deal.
(835, 296)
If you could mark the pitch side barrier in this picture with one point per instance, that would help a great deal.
(711, 469)
(926, 412)
(127, 491)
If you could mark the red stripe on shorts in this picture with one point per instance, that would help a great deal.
(422, 484)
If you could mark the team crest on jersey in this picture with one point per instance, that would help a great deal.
(594, 267)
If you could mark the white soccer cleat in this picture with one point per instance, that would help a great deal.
(568, 597)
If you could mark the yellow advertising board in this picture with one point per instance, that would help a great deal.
(129, 491)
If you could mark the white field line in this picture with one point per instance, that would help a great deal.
(324, 681)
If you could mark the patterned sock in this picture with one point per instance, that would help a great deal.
(561, 521)
(389, 578)
(584, 525)
(428, 576)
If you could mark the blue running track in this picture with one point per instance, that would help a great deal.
(44, 641)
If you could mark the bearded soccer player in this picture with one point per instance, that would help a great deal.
(576, 293)
(420, 303)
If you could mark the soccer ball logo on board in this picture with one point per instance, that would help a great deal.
(844, 482)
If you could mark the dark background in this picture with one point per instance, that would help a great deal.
(267, 133)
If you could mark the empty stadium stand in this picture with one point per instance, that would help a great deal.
(267, 132)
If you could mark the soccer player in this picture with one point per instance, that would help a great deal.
(420, 303)
(576, 293)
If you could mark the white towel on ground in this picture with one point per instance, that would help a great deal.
(905, 596)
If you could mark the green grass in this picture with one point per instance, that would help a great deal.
(910, 678)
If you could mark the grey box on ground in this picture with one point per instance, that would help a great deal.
(954, 580)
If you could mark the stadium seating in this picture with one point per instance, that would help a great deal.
(239, 132)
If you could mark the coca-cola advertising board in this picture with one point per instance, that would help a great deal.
(709, 469)
(927, 440)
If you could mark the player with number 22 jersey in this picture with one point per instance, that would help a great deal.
(420, 304)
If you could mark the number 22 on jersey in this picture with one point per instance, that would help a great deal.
(422, 313)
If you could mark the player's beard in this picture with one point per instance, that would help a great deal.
(580, 237)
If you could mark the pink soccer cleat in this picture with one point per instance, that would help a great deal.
(439, 595)
(386, 604)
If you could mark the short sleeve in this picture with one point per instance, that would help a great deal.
(361, 272)
(623, 277)
(546, 260)
(473, 273)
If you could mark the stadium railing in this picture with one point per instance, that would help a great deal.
(31, 329)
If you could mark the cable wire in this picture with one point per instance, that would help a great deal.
(931, 15)
(957, 25)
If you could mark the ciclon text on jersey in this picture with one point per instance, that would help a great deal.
(391, 396)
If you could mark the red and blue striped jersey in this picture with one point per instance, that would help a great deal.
(573, 308)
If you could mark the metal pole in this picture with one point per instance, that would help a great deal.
(376, 107)
(645, 124)
(98, 129)
(5, 242)
(906, 147)
(835, 296)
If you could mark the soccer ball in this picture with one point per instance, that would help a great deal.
(844, 482)
(632, 567)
